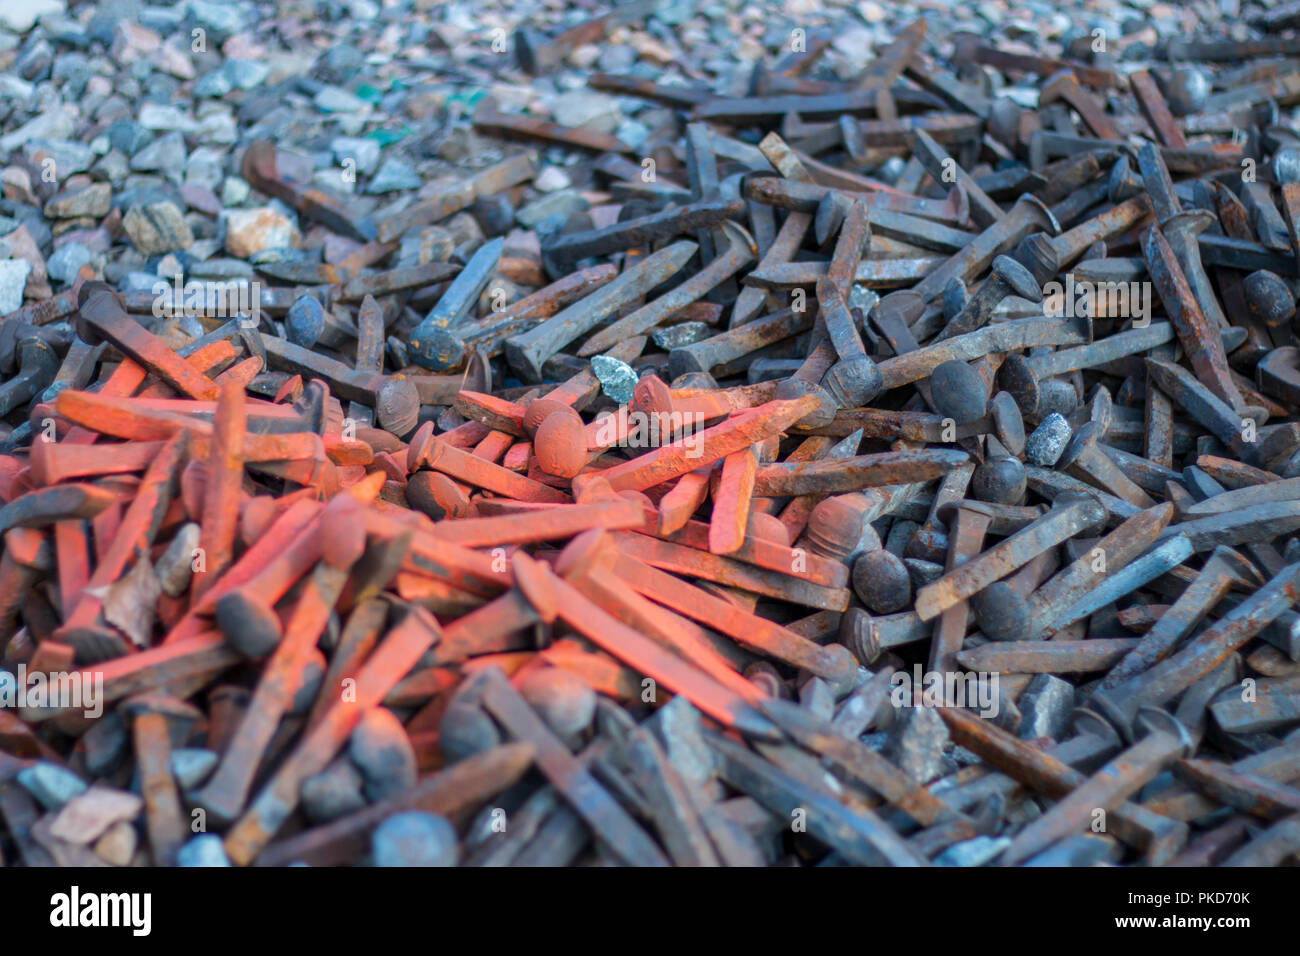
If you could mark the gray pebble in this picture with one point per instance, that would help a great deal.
(191, 766)
(13, 278)
(680, 335)
(1045, 708)
(332, 99)
(165, 154)
(394, 175)
(916, 743)
(563, 203)
(50, 784)
(414, 838)
(617, 378)
(976, 851)
(65, 262)
(205, 849)
(680, 730)
(1047, 442)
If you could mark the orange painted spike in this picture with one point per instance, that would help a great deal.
(731, 501)
(466, 467)
(241, 373)
(290, 390)
(134, 535)
(685, 498)
(741, 431)
(646, 657)
(225, 475)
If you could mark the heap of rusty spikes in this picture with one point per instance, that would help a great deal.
(935, 515)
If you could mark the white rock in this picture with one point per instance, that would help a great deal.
(249, 231)
(86, 817)
(586, 109)
(56, 124)
(20, 15)
(13, 277)
(871, 12)
(552, 178)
